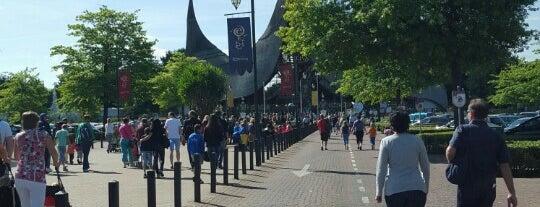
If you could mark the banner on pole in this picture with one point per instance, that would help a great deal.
(230, 98)
(240, 49)
(287, 79)
(124, 86)
(314, 98)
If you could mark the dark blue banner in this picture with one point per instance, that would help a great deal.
(240, 51)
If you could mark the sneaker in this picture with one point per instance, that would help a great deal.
(372, 147)
(65, 169)
(322, 148)
(326, 148)
(86, 170)
(360, 147)
(145, 175)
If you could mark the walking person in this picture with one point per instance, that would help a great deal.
(486, 153)
(109, 135)
(29, 150)
(189, 128)
(213, 134)
(358, 129)
(196, 145)
(6, 141)
(372, 131)
(398, 173)
(44, 125)
(157, 135)
(345, 134)
(126, 142)
(147, 150)
(85, 139)
(173, 126)
(322, 125)
(61, 143)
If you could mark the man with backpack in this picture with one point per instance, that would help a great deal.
(85, 138)
(323, 125)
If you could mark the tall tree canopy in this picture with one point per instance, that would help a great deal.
(518, 84)
(104, 39)
(22, 91)
(195, 83)
(431, 42)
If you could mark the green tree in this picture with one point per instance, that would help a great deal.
(104, 39)
(517, 84)
(22, 91)
(433, 42)
(188, 81)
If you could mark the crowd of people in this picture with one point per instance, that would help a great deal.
(401, 154)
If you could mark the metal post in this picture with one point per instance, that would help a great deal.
(268, 149)
(114, 194)
(271, 145)
(274, 139)
(235, 170)
(197, 177)
(263, 146)
(258, 151)
(177, 184)
(226, 166)
(213, 163)
(251, 156)
(244, 169)
(151, 187)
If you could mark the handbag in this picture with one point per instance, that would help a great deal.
(457, 170)
(165, 141)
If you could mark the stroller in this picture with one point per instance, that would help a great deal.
(8, 195)
(113, 145)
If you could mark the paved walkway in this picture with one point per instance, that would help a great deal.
(303, 175)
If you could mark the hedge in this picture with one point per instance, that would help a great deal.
(525, 155)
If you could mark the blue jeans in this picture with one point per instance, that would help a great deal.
(346, 138)
(62, 154)
(127, 150)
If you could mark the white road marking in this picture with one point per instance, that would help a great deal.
(354, 165)
(355, 169)
(362, 189)
(359, 181)
(302, 172)
(365, 200)
(353, 160)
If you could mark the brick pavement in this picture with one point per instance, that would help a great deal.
(333, 181)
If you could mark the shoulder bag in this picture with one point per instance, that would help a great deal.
(457, 170)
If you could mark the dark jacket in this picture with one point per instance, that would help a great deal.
(213, 137)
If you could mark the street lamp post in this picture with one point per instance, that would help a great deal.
(317, 80)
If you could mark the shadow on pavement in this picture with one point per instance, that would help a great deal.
(211, 204)
(246, 186)
(341, 172)
(104, 172)
(225, 194)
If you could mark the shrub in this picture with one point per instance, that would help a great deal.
(525, 158)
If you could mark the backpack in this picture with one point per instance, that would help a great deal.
(85, 134)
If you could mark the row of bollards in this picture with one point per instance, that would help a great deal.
(269, 144)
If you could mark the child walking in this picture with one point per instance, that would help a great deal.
(372, 133)
(61, 142)
(345, 134)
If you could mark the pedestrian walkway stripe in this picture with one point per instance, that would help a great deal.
(359, 181)
(362, 189)
(353, 160)
(354, 165)
(365, 200)
(355, 169)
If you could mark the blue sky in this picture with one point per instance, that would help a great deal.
(29, 28)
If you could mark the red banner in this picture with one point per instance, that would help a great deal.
(124, 88)
(287, 79)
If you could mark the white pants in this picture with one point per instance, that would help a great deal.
(32, 194)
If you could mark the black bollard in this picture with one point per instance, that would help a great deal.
(213, 164)
(102, 141)
(271, 146)
(114, 194)
(268, 149)
(226, 166)
(251, 158)
(263, 146)
(244, 170)
(177, 184)
(278, 142)
(257, 152)
(274, 144)
(235, 170)
(151, 187)
(197, 177)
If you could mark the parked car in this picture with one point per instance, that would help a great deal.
(502, 120)
(529, 113)
(451, 125)
(432, 121)
(526, 127)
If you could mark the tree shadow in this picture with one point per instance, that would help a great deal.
(342, 172)
(246, 186)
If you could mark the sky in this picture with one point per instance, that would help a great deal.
(30, 28)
